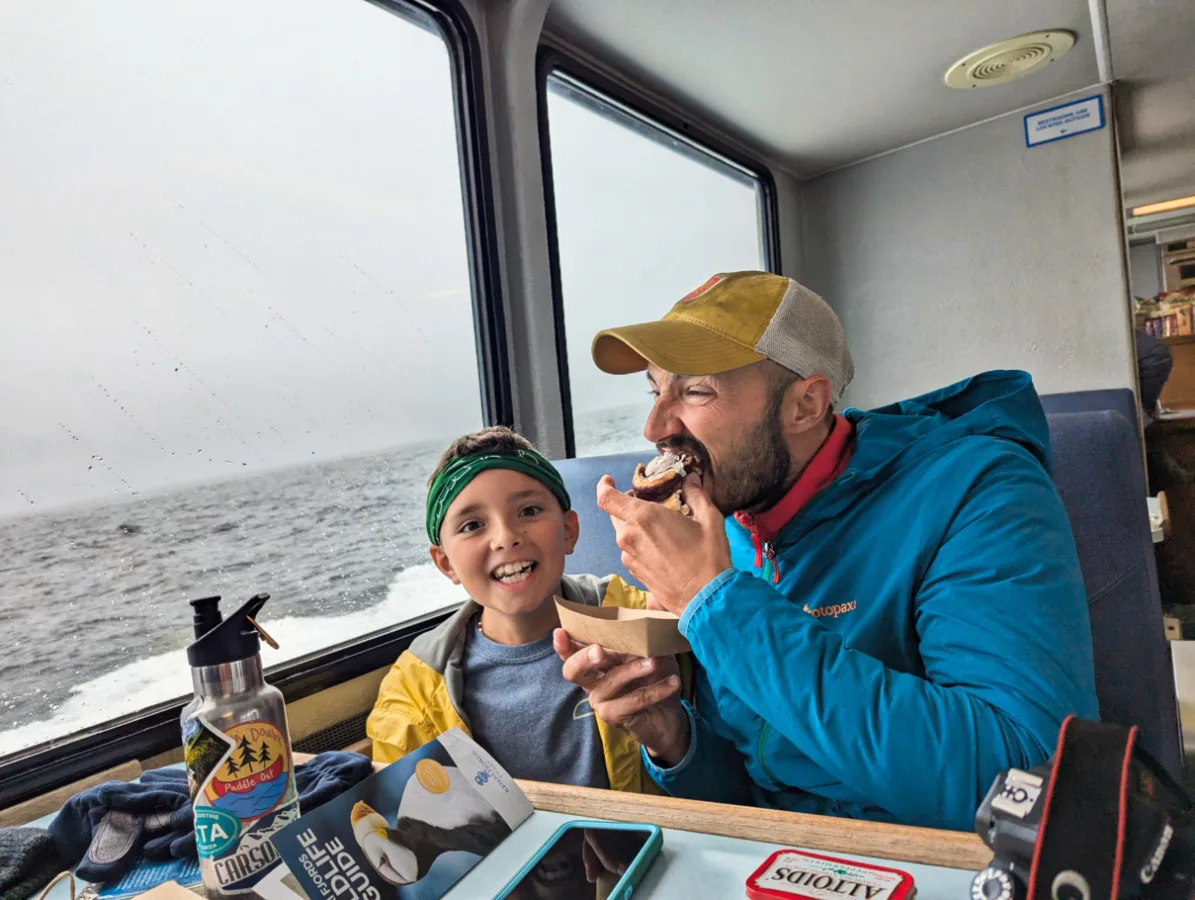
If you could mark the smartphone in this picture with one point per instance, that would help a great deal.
(587, 861)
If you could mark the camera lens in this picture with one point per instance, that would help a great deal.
(993, 884)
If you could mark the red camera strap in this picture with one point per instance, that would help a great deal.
(1080, 841)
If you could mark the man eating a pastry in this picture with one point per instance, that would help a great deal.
(886, 606)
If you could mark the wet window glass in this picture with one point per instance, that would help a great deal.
(236, 334)
(642, 218)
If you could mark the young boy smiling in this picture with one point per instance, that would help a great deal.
(500, 523)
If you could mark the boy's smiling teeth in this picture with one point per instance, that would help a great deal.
(513, 573)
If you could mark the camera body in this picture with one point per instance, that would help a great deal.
(1100, 821)
(1008, 821)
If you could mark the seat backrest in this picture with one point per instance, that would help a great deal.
(1121, 400)
(1104, 495)
(596, 553)
(1102, 485)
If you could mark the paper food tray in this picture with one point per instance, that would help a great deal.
(641, 632)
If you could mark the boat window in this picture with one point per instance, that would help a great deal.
(238, 331)
(643, 215)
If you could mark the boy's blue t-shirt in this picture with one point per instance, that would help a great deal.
(537, 725)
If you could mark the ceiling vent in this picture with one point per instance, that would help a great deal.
(1006, 60)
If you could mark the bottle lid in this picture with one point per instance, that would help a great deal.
(788, 874)
(235, 638)
(207, 615)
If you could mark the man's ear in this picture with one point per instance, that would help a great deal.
(572, 531)
(443, 563)
(808, 401)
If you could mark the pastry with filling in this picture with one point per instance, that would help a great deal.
(662, 480)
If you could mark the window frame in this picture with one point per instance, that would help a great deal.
(636, 106)
(49, 765)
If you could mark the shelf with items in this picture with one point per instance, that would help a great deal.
(1170, 314)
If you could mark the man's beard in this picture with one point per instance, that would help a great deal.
(755, 474)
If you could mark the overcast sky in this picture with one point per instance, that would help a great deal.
(232, 240)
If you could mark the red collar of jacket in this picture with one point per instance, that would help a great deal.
(827, 464)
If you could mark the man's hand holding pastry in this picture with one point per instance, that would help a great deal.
(673, 555)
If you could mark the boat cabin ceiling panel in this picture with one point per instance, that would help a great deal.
(818, 85)
(1153, 57)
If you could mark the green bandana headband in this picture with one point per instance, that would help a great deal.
(456, 476)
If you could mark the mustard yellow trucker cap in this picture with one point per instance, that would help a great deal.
(733, 320)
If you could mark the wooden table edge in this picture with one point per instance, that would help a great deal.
(849, 837)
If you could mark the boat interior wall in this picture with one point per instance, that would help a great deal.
(1153, 58)
(932, 247)
(1145, 276)
(788, 212)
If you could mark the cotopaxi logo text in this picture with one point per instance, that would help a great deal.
(830, 612)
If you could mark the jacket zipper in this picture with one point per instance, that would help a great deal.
(765, 555)
(771, 568)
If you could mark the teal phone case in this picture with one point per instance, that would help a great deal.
(635, 871)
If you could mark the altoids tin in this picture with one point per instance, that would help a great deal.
(792, 873)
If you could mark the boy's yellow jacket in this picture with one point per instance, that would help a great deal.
(422, 695)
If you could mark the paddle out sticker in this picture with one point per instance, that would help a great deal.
(253, 779)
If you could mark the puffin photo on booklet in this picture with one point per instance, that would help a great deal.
(410, 831)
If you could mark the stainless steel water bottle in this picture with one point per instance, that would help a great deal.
(237, 750)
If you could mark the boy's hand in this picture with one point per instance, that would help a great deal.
(673, 555)
(640, 696)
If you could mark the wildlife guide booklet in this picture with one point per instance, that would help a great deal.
(408, 832)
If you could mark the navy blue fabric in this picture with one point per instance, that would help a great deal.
(1100, 479)
(166, 791)
(596, 552)
(74, 826)
(1154, 362)
(1121, 400)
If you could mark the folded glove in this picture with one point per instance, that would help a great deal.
(106, 829)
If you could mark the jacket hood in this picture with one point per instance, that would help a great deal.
(1001, 404)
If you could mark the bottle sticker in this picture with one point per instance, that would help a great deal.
(244, 795)
(204, 748)
(251, 780)
(215, 831)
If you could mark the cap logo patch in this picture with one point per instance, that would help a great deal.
(693, 295)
